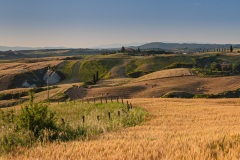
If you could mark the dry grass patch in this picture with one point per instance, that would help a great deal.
(166, 74)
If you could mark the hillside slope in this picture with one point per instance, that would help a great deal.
(14, 74)
(157, 84)
(167, 46)
(179, 72)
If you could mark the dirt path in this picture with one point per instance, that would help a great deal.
(178, 129)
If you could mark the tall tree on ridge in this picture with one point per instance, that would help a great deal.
(231, 48)
(123, 49)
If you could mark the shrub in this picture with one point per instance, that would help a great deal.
(36, 118)
(178, 95)
(86, 84)
(138, 74)
(179, 65)
(215, 66)
(134, 117)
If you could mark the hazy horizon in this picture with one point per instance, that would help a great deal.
(88, 24)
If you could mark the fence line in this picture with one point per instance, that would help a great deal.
(100, 100)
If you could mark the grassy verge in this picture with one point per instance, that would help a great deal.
(38, 124)
(67, 68)
(89, 67)
(226, 94)
(147, 64)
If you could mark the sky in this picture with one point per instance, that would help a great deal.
(91, 23)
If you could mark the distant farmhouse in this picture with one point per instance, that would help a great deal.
(51, 77)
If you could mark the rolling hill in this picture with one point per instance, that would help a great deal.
(170, 46)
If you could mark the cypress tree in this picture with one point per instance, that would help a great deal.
(231, 48)
(97, 77)
(123, 49)
(94, 79)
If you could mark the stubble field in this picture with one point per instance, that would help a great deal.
(176, 129)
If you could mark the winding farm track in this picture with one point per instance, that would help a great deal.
(177, 129)
(75, 73)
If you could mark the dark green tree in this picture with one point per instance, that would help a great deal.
(215, 66)
(97, 77)
(123, 49)
(36, 117)
(94, 79)
(236, 67)
(231, 48)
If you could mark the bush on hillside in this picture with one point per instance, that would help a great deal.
(179, 65)
(226, 94)
(34, 123)
(178, 95)
(138, 74)
(36, 118)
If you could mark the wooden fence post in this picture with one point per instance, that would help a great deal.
(111, 100)
(83, 119)
(131, 106)
(109, 115)
(119, 113)
(101, 100)
(122, 100)
(106, 99)
(128, 107)
(117, 99)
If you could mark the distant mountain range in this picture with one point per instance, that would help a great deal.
(116, 46)
(152, 45)
(6, 48)
(168, 46)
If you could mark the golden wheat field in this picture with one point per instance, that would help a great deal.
(176, 129)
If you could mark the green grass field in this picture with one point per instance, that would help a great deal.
(37, 123)
(155, 63)
(67, 68)
(89, 67)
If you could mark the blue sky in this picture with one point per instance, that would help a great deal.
(89, 23)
